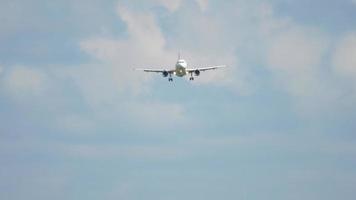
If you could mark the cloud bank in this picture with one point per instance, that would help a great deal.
(76, 117)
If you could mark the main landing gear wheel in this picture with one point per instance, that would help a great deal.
(170, 79)
(191, 78)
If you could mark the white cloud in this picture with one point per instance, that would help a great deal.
(158, 115)
(108, 84)
(207, 40)
(294, 56)
(296, 51)
(144, 47)
(144, 151)
(24, 81)
(99, 84)
(171, 5)
(147, 46)
(109, 100)
(76, 123)
(203, 4)
(344, 59)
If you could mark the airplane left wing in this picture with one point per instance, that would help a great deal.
(205, 68)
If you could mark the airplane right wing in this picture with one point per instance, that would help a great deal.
(164, 72)
(156, 70)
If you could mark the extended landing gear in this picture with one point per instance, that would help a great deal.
(170, 79)
(191, 78)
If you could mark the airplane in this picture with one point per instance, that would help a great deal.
(181, 69)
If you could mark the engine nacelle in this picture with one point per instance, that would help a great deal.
(197, 72)
(165, 73)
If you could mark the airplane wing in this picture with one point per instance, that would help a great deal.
(205, 68)
(155, 70)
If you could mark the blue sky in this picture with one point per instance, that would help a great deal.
(76, 122)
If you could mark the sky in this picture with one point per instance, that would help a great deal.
(78, 123)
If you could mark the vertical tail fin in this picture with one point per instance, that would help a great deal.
(178, 55)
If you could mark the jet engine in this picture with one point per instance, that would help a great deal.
(165, 73)
(197, 72)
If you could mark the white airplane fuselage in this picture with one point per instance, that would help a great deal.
(181, 67)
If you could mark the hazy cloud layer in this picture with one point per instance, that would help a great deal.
(24, 81)
(77, 122)
(344, 60)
